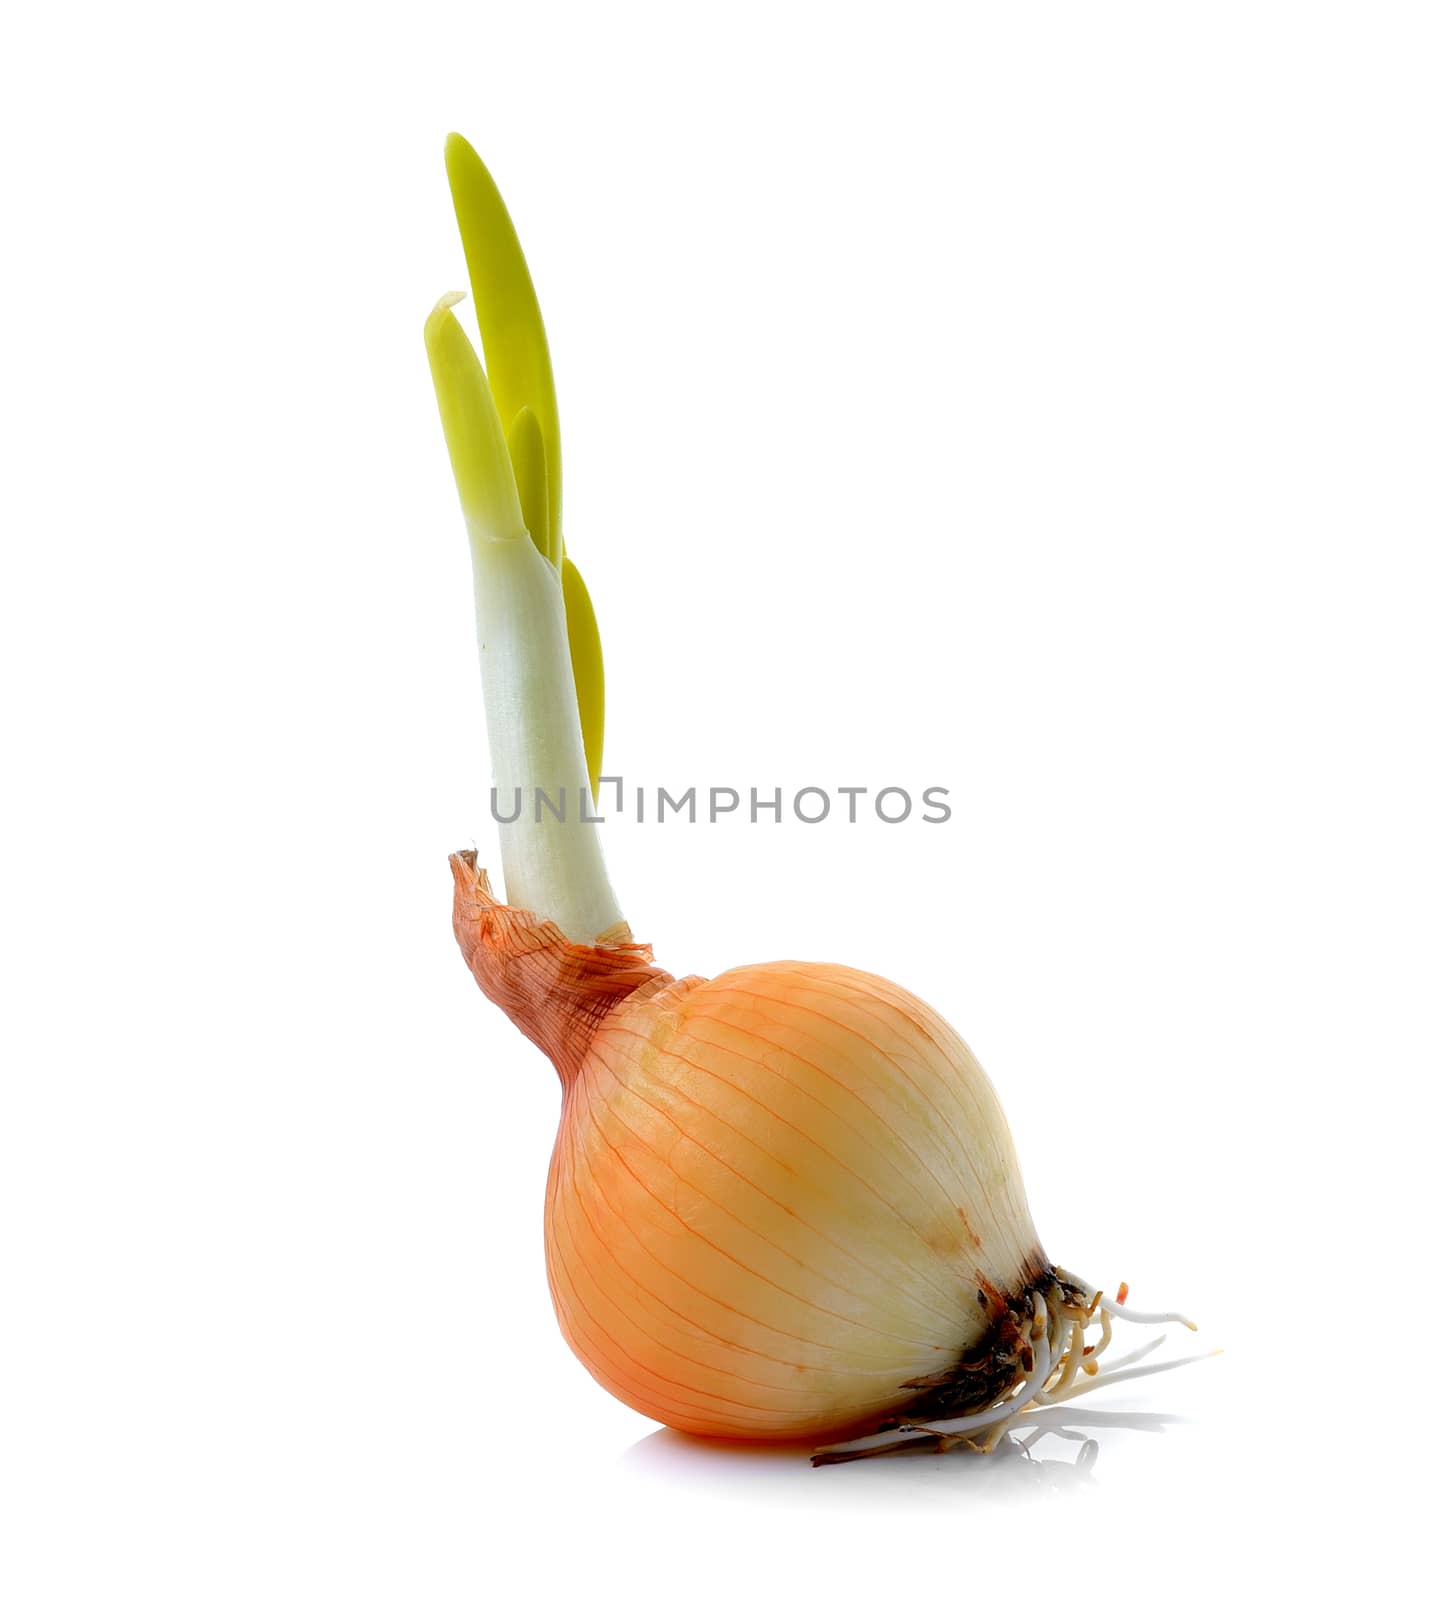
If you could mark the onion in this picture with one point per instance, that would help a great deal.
(783, 1202)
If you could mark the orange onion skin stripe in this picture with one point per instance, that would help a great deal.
(800, 995)
(758, 1175)
(894, 1162)
(641, 1306)
(727, 1246)
(693, 1311)
(649, 1381)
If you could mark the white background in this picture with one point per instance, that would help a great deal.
(1036, 403)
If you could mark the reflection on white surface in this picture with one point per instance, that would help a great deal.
(1057, 1453)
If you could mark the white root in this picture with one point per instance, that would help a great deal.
(1126, 1315)
(1127, 1361)
(1062, 1368)
(1070, 1364)
(1121, 1377)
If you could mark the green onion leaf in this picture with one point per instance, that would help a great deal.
(514, 343)
(585, 647)
(476, 445)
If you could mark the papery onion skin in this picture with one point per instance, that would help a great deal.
(781, 1200)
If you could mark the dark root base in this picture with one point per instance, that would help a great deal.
(1035, 1353)
(991, 1368)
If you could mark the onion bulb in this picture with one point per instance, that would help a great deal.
(783, 1202)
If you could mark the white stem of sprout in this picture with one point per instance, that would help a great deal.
(552, 863)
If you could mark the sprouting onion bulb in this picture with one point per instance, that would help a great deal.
(783, 1202)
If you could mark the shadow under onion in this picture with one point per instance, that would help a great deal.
(1054, 1452)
